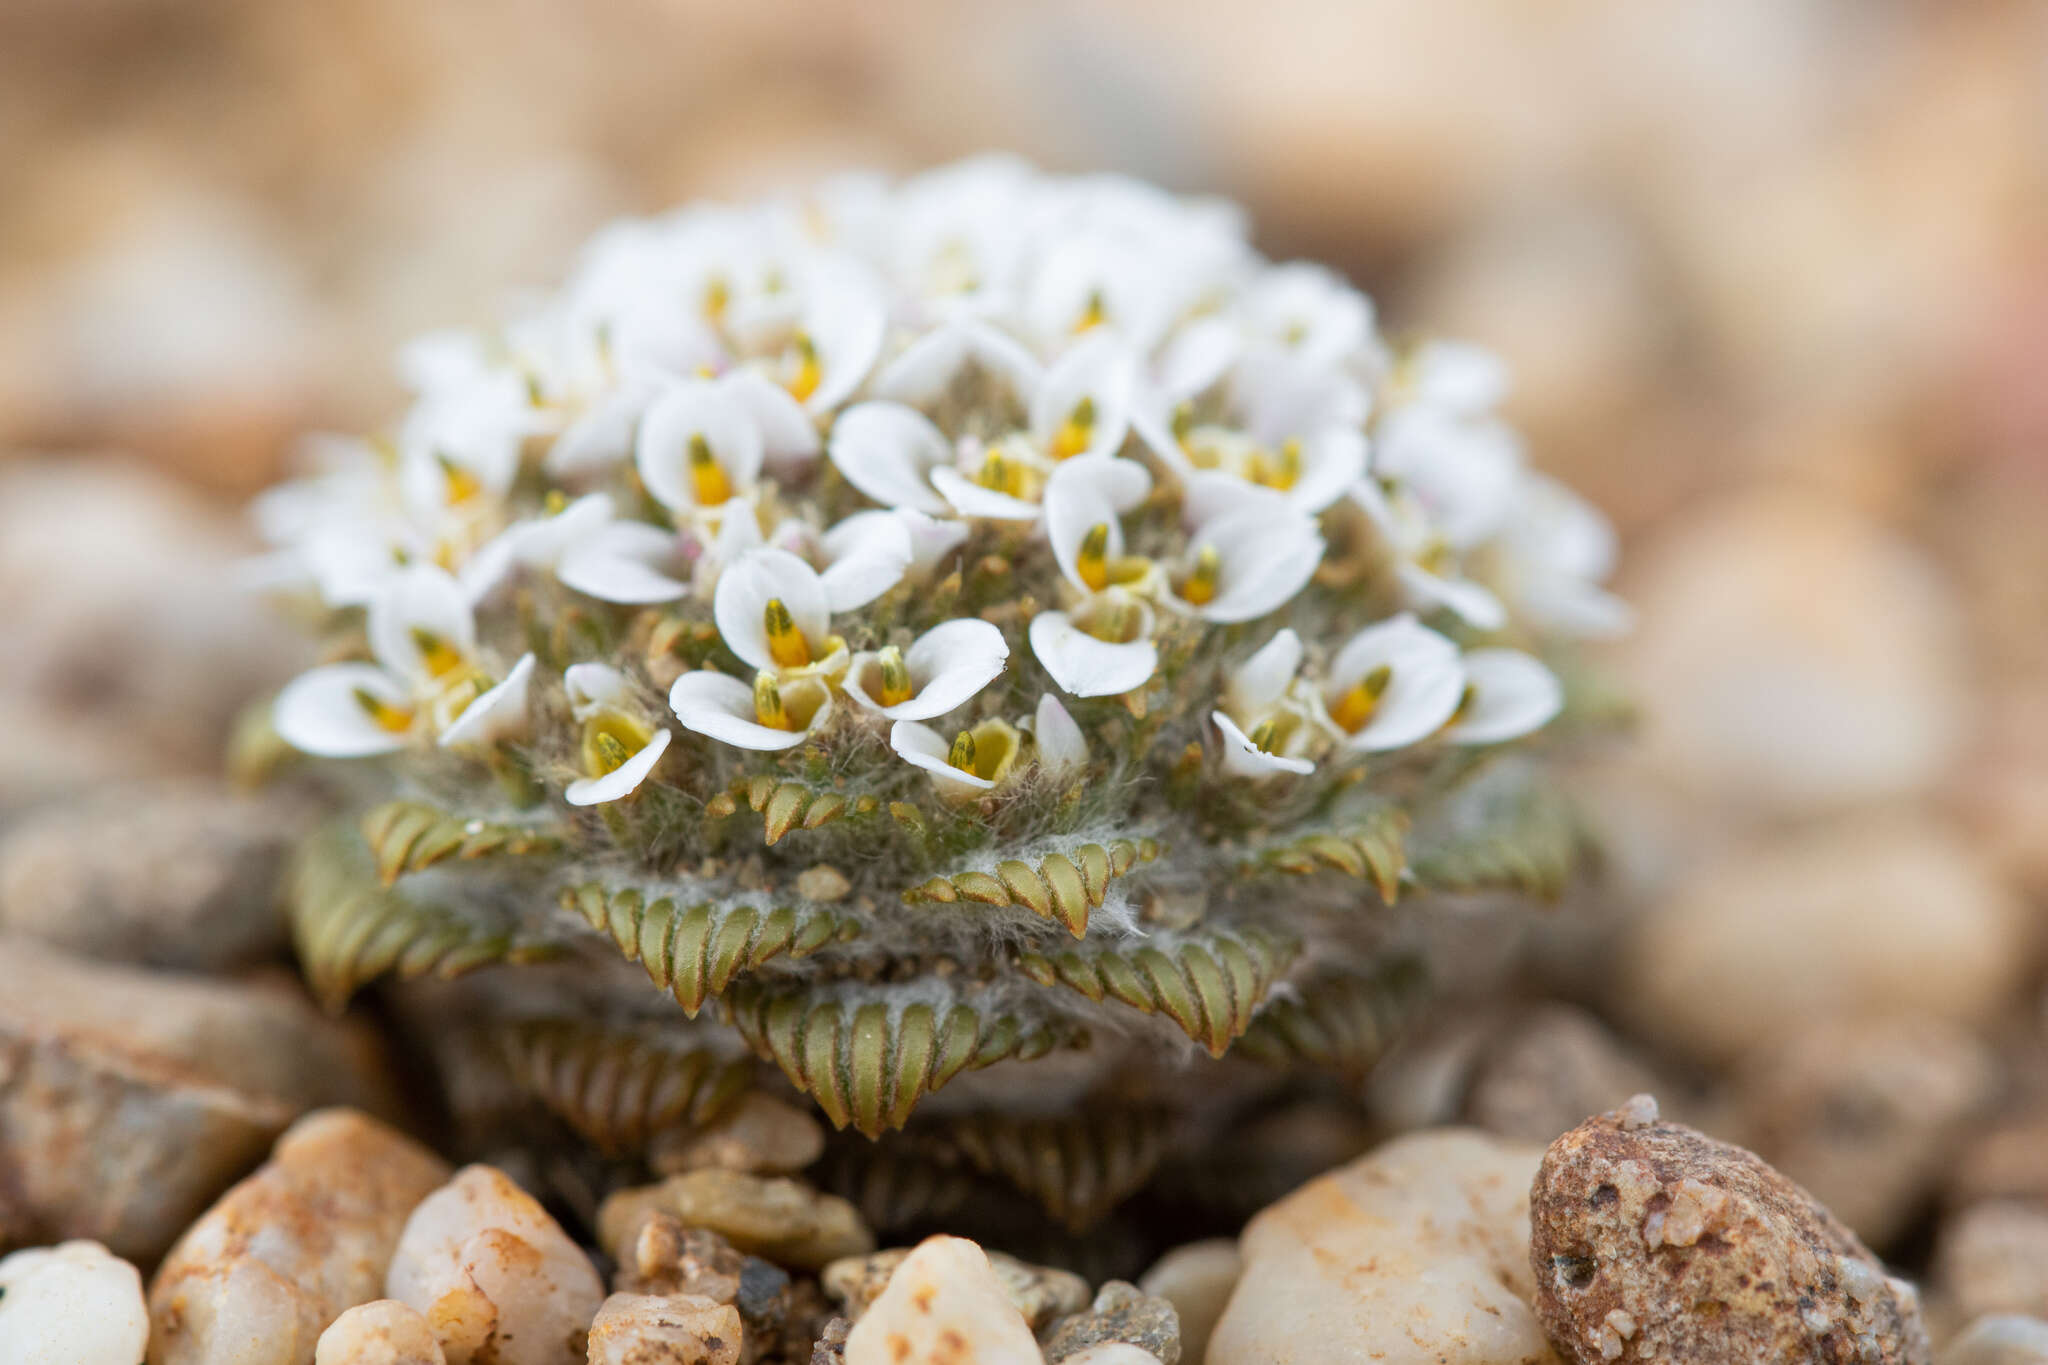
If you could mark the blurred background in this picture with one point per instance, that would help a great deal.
(1772, 275)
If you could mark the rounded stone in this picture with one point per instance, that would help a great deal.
(381, 1332)
(74, 1303)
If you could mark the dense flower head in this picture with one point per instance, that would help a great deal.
(1009, 512)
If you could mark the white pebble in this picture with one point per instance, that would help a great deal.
(383, 1332)
(943, 1304)
(74, 1304)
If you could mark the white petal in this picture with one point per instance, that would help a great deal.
(484, 570)
(1084, 666)
(1332, 460)
(869, 553)
(420, 598)
(601, 436)
(970, 499)
(1512, 694)
(789, 438)
(1423, 687)
(498, 714)
(616, 564)
(622, 780)
(1062, 748)
(1199, 355)
(1578, 609)
(948, 665)
(685, 411)
(844, 317)
(542, 541)
(928, 749)
(744, 591)
(594, 687)
(1257, 684)
(722, 707)
(929, 364)
(931, 539)
(1242, 758)
(1101, 370)
(1473, 604)
(1265, 560)
(887, 451)
(1208, 494)
(1081, 495)
(317, 712)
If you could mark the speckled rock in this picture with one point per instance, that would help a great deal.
(943, 1306)
(2000, 1339)
(177, 873)
(1040, 1293)
(760, 1134)
(1120, 1313)
(1992, 1257)
(75, 1303)
(288, 1249)
(1650, 1240)
(497, 1278)
(1414, 1254)
(664, 1329)
(784, 1220)
(381, 1332)
(664, 1257)
(1196, 1279)
(1865, 1113)
(830, 1347)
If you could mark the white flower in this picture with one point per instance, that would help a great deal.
(619, 747)
(1083, 407)
(1256, 699)
(973, 762)
(1391, 685)
(1308, 313)
(1246, 561)
(535, 542)
(1062, 749)
(929, 365)
(1462, 471)
(932, 539)
(774, 612)
(1286, 427)
(498, 714)
(770, 715)
(1554, 553)
(888, 451)
(1103, 649)
(698, 451)
(345, 711)
(624, 561)
(1084, 503)
(943, 668)
(1452, 376)
(866, 554)
(1507, 694)
(1424, 561)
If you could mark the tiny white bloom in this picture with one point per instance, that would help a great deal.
(1084, 501)
(1084, 405)
(1062, 749)
(943, 668)
(770, 715)
(619, 748)
(1246, 561)
(1103, 649)
(498, 714)
(774, 612)
(625, 561)
(1508, 694)
(1309, 313)
(888, 451)
(930, 364)
(865, 555)
(971, 763)
(1392, 685)
(698, 451)
(1257, 699)
(1554, 554)
(1424, 561)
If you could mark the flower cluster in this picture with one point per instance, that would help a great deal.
(1128, 453)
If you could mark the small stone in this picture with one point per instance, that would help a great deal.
(662, 1256)
(1414, 1254)
(830, 1347)
(180, 873)
(784, 1220)
(1196, 1279)
(943, 1306)
(673, 1329)
(285, 1251)
(1546, 1070)
(1121, 1313)
(1112, 1353)
(823, 883)
(2000, 1339)
(760, 1135)
(1993, 1258)
(499, 1280)
(381, 1332)
(1879, 913)
(71, 1303)
(1652, 1239)
(1040, 1293)
(1865, 1113)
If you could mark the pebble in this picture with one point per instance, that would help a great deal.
(760, 1135)
(1040, 1293)
(1882, 912)
(1651, 1240)
(2000, 1339)
(664, 1258)
(2006, 1158)
(497, 1277)
(129, 1099)
(1122, 1314)
(670, 1329)
(381, 1332)
(74, 1304)
(1992, 1257)
(784, 1220)
(1196, 1279)
(943, 1306)
(1111, 1353)
(1414, 1254)
(288, 1249)
(1866, 1114)
(1546, 1069)
(175, 873)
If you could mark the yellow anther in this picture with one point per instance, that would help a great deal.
(707, 475)
(609, 739)
(1464, 707)
(961, 755)
(896, 684)
(555, 501)
(534, 397)
(786, 644)
(717, 297)
(440, 657)
(1094, 315)
(459, 484)
(1004, 475)
(1076, 432)
(396, 719)
(1200, 588)
(808, 371)
(768, 707)
(610, 754)
(1091, 563)
(1263, 735)
(1183, 423)
(1356, 706)
(1280, 471)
